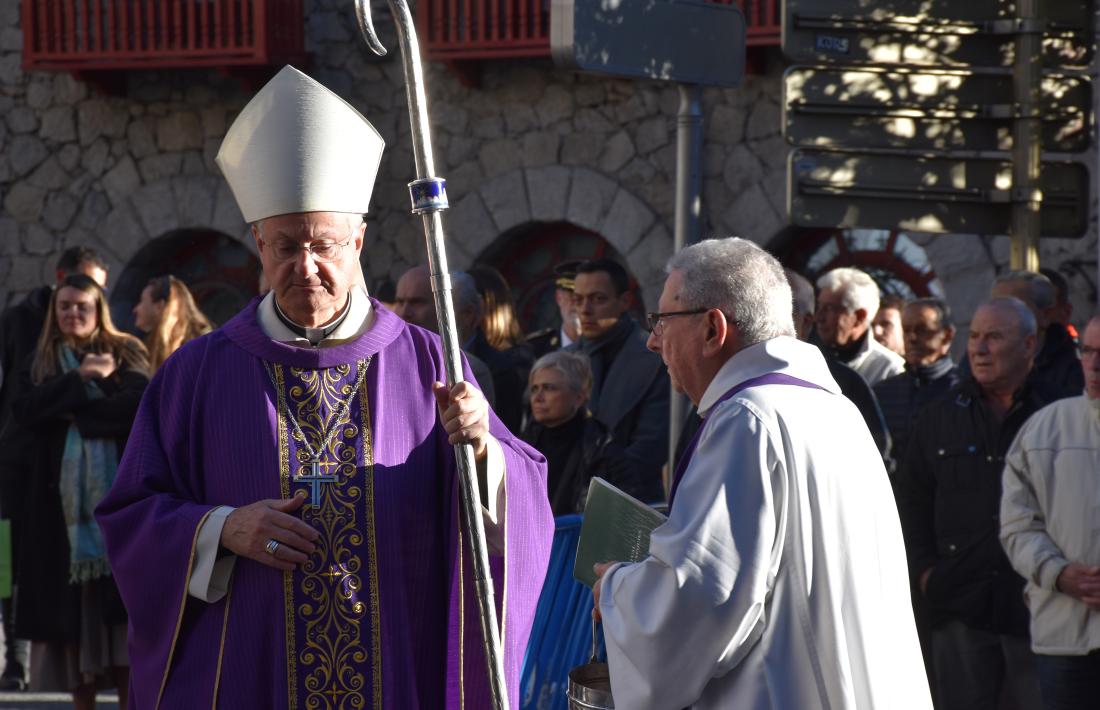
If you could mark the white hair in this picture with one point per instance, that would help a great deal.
(573, 366)
(857, 289)
(742, 280)
(1025, 319)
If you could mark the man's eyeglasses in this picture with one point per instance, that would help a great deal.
(325, 250)
(655, 321)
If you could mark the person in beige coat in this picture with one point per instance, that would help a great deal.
(1050, 528)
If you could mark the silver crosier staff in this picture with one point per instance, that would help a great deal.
(429, 197)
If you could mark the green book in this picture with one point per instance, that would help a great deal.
(616, 527)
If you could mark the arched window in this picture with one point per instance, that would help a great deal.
(222, 274)
(527, 256)
(893, 259)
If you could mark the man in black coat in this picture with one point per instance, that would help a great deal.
(630, 389)
(20, 326)
(949, 494)
(929, 371)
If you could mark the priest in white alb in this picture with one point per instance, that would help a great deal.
(779, 580)
(285, 526)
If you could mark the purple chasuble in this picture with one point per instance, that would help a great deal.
(383, 615)
(772, 378)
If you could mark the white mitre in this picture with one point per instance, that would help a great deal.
(298, 147)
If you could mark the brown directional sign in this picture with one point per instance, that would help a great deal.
(931, 194)
(931, 33)
(873, 107)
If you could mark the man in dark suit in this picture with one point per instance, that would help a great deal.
(630, 392)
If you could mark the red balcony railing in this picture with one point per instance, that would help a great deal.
(76, 35)
(483, 29)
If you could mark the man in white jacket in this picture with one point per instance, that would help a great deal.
(779, 580)
(1050, 528)
(847, 302)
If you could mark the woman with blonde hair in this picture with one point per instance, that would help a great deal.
(499, 321)
(76, 401)
(169, 317)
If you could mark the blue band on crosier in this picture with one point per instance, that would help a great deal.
(428, 195)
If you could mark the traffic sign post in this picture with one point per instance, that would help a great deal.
(910, 92)
(693, 43)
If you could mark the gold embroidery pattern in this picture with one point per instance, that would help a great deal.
(326, 595)
(372, 548)
(288, 577)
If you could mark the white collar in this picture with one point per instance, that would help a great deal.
(358, 321)
(783, 354)
(566, 341)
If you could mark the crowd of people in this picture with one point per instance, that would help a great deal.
(70, 389)
(593, 399)
(855, 519)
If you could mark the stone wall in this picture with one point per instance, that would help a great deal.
(530, 143)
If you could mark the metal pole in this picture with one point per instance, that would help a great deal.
(429, 197)
(689, 181)
(1026, 138)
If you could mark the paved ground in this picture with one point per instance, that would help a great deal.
(48, 701)
(45, 701)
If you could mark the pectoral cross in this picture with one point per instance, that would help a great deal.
(315, 479)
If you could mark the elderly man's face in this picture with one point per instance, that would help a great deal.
(414, 302)
(999, 351)
(926, 340)
(597, 304)
(887, 329)
(1090, 358)
(836, 325)
(311, 291)
(564, 298)
(679, 340)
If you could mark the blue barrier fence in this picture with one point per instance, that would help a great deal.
(561, 638)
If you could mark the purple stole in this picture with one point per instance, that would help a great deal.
(772, 378)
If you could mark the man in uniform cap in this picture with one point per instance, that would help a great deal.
(568, 331)
(285, 528)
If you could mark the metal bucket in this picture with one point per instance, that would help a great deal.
(590, 684)
(590, 688)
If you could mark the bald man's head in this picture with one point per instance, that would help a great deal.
(1002, 344)
(414, 301)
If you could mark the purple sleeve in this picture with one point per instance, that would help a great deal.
(150, 521)
(518, 574)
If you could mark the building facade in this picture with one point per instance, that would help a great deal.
(542, 165)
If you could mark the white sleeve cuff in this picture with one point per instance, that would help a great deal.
(210, 575)
(491, 474)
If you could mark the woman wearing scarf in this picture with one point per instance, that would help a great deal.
(76, 402)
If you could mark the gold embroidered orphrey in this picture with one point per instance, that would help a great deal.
(323, 598)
